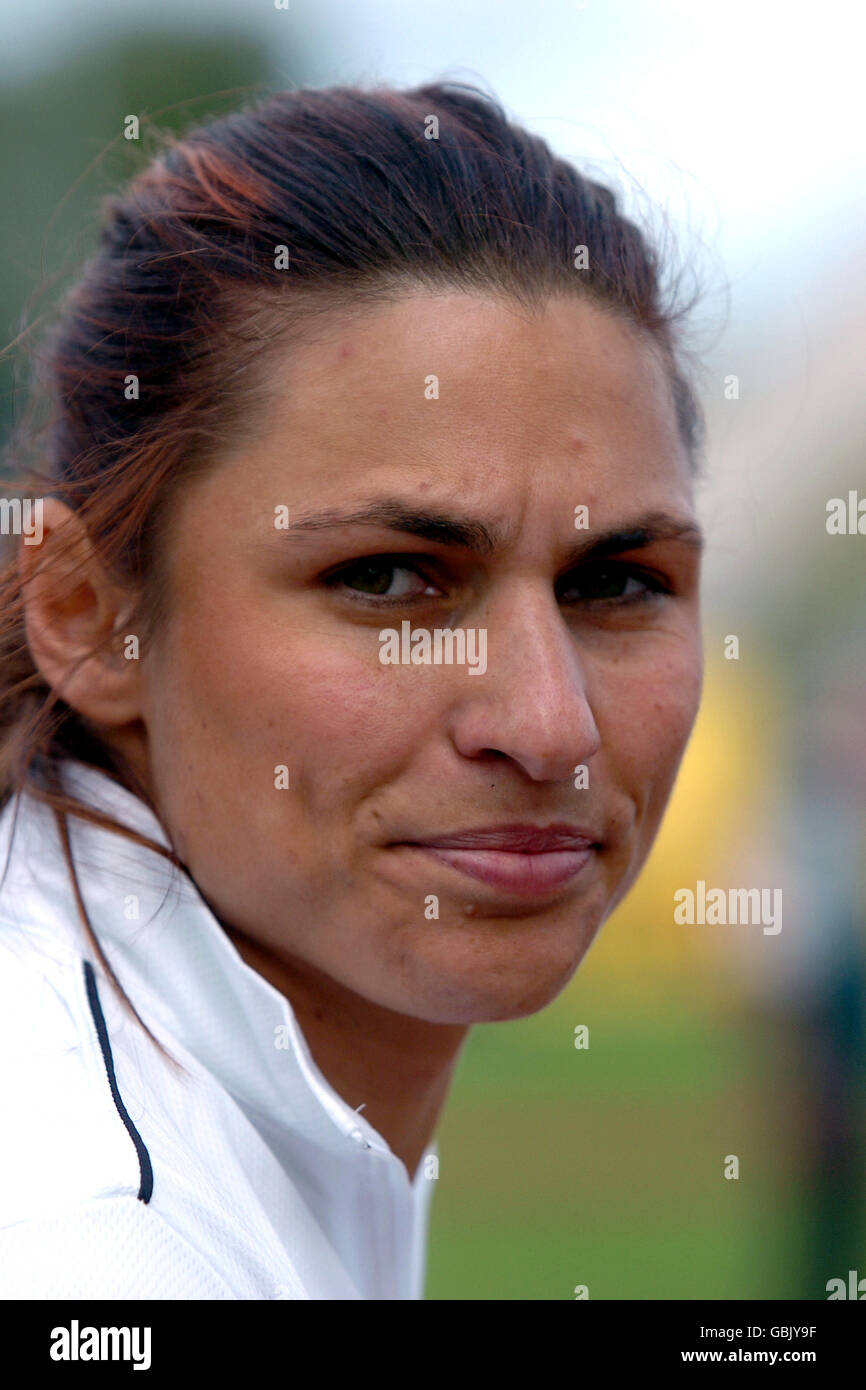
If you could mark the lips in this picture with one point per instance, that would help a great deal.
(526, 860)
(515, 839)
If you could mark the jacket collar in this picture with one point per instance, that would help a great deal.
(173, 959)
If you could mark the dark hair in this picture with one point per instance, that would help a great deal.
(365, 197)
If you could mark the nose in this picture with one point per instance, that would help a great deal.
(532, 703)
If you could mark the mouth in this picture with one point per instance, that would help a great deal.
(524, 860)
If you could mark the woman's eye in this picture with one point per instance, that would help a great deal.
(396, 579)
(612, 583)
(382, 578)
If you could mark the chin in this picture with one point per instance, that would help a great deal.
(494, 998)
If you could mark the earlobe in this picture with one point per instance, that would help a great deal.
(74, 615)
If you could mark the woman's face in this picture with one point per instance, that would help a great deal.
(270, 657)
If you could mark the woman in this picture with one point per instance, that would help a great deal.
(344, 686)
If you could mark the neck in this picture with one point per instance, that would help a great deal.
(396, 1067)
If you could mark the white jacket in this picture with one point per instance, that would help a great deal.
(248, 1178)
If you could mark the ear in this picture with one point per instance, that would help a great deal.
(74, 615)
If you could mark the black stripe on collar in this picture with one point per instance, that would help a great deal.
(146, 1170)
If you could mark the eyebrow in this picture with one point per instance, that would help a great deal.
(482, 538)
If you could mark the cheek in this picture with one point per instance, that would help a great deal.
(247, 699)
(645, 718)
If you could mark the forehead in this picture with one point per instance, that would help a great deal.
(452, 390)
